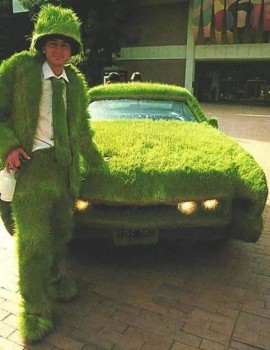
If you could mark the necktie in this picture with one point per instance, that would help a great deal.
(60, 125)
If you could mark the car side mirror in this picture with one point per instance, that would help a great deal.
(213, 122)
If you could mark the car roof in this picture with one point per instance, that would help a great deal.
(146, 90)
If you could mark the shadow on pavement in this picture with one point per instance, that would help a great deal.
(101, 251)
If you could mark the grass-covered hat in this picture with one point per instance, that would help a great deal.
(57, 21)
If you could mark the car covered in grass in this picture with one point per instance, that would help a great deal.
(162, 170)
(166, 171)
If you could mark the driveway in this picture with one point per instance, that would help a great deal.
(167, 297)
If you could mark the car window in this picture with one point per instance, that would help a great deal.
(141, 109)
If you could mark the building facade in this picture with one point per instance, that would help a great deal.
(219, 50)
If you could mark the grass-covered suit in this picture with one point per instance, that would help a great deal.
(45, 191)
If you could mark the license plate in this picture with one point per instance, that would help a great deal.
(135, 237)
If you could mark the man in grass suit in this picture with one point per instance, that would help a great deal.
(32, 129)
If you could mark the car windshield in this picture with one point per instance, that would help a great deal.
(141, 109)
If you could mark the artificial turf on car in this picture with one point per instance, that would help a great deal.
(172, 163)
(149, 91)
(151, 163)
(157, 163)
(175, 160)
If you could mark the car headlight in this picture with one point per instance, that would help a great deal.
(210, 204)
(187, 207)
(82, 204)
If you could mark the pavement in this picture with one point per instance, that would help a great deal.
(167, 297)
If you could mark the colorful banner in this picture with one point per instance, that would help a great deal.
(219, 13)
(243, 12)
(256, 13)
(230, 19)
(227, 16)
(196, 15)
(266, 15)
(258, 7)
(207, 12)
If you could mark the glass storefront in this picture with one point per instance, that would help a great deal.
(233, 81)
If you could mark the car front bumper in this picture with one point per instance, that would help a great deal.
(105, 220)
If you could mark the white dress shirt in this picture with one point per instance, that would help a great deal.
(44, 132)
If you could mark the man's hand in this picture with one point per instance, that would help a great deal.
(13, 161)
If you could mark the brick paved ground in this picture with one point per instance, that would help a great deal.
(209, 297)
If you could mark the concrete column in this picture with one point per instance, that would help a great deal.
(190, 62)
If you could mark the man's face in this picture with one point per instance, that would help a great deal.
(57, 52)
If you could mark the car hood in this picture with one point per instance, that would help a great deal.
(152, 162)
